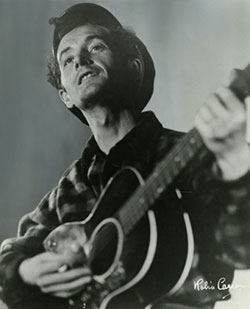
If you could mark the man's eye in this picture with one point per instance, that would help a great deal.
(96, 48)
(67, 61)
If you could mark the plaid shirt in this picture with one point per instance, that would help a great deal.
(219, 213)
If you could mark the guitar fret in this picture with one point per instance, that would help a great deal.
(159, 190)
(127, 223)
(177, 159)
(169, 176)
(136, 208)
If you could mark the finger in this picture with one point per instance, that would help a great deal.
(230, 100)
(50, 267)
(67, 294)
(217, 108)
(202, 127)
(48, 256)
(48, 263)
(211, 132)
(69, 286)
(70, 275)
(236, 108)
(205, 114)
(212, 109)
(40, 265)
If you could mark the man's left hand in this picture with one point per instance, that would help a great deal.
(222, 125)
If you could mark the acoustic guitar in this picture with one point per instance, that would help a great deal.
(136, 252)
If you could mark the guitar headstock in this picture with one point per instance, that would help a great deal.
(240, 82)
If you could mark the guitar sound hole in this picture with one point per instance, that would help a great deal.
(104, 249)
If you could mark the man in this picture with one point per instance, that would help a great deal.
(104, 75)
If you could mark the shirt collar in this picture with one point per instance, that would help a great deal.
(136, 142)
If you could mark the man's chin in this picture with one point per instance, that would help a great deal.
(100, 94)
(89, 96)
(94, 95)
(90, 101)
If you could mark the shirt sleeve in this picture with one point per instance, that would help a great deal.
(70, 200)
(233, 230)
(33, 228)
(225, 209)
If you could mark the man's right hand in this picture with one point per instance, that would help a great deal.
(43, 271)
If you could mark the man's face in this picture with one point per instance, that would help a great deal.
(88, 66)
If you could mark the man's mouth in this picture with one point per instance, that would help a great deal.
(86, 75)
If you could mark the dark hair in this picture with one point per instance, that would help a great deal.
(121, 40)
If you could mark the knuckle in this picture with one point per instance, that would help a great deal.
(216, 131)
(72, 285)
(241, 117)
(211, 100)
(225, 93)
(40, 258)
(39, 282)
(239, 120)
(43, 289)
(62, 294)
(220, 90)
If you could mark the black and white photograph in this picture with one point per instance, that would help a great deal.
(125, 154)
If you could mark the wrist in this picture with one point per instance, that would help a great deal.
(234, 164)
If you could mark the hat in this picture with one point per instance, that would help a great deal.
(90, 13)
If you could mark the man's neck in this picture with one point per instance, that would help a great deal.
(107, 128)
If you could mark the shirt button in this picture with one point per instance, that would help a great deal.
(231, 208)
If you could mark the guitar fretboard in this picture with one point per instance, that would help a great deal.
(160, 179)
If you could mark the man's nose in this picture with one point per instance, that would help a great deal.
(83, 59)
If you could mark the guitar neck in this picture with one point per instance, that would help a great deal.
(161, 178)
(174, 163)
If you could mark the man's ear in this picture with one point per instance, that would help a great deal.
(65, 98)
(137, 65)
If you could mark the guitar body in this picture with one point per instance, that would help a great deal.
(133, 269)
